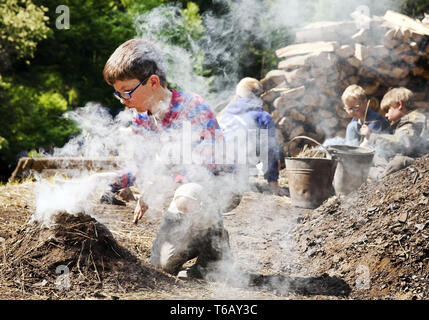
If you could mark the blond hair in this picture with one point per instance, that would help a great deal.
(135, 59)
(394, 96)
(249, 88)
(353, 92)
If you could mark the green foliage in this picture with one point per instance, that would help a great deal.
(4, 144)
(415, 8)
(179, 27)
(97, 28)
(192, 21)
(34, 154)
(65, 73)
(34, 119)
(134, 7)
(22, 25)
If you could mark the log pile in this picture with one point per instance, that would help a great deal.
(304, 93)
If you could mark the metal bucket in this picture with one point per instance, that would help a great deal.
(352, 168)
(310, 180)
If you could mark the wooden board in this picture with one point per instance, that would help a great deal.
(303, 48)
(406, 22)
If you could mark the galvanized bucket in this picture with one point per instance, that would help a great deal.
(310, 180)
(352, 168)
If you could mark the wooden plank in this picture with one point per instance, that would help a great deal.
(27, 165)
(293, 93)
(297, 116)
(323, 60)
(303, 48)
(326, 31)
(345, 51)
(406, 22)
(270, 95)
(361, 52)
(294, 62)
(285, 103)
(355, 62)
(297, 77)
(378, 51)
(273, 78)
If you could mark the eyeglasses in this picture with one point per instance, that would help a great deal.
(354, 108)
(126, 95)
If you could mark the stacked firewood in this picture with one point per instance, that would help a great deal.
(304, 93)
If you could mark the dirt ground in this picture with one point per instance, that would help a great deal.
(371, 244)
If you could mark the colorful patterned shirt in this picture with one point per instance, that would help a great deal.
(186, 109)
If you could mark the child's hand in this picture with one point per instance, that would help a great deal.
(365, 130)
(364, 143)
(140, 210)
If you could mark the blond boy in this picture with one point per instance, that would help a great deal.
(410, 138)
(356, 105)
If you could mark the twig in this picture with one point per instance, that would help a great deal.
(78, 259)
(79, 233)
(4, 254)
(16, 244)
(22, 279)
(41, 244)
(416, 177)
(95, 229)
(406, 254)
(115, 251)
(93, 262)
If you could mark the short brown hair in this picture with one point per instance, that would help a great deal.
(353, 91)
(395, 95)
(135, 59)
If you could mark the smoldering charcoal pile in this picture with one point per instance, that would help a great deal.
(80, 246)
(304, 93)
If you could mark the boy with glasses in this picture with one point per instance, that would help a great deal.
(355, 103)
(192, 226)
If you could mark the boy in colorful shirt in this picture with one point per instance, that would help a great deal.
(192, 226)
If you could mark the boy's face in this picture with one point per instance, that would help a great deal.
(355, 107)
(394, 113)
(141, 98)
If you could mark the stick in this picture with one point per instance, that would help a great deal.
(93, 263)
(416, 177)
(366, 110)
(78, 259)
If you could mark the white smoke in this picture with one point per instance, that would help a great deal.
(224, 36)
(70, 195)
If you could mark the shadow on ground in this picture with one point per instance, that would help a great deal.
(311, 286)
